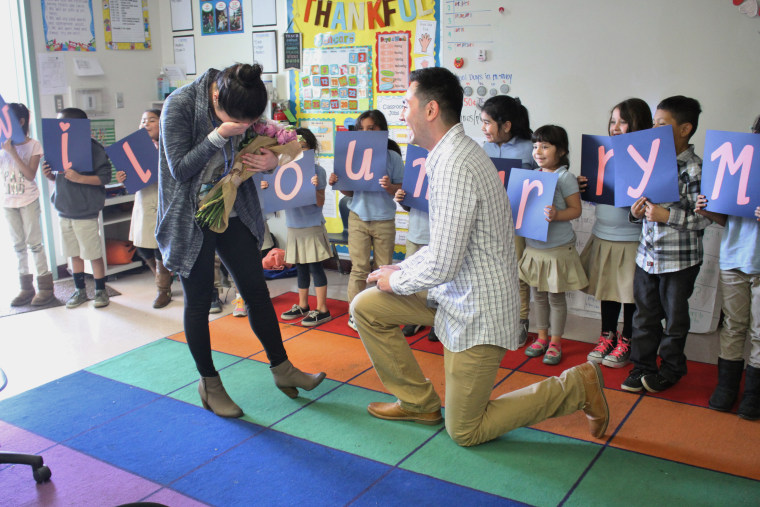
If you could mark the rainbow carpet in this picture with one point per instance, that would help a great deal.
(131, 429)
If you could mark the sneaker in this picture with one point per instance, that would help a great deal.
(216, 305)
(620, 356)
(315, 317)
(411, 329)
(605, 346)
(296, 312)
(656, 383)
(239, 307)
(432, 337)
(101, 299)
(633, 383)
(352, 324)
(76, 299)
(523, 339)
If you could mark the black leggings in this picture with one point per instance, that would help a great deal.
(239, 251)
(611, 314)
(317, 272)
(149, 253)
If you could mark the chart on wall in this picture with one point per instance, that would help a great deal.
(336, 80)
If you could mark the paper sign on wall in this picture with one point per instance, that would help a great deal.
(728, 180)
(67, 144)
(504, 167)
(137, 156)
(10, 128)
(597, 165)
(645, 166)
(415, 182)
(529, 193)
(290, 185)
(360, 160)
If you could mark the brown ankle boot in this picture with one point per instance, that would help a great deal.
(26, 293)
(163, 284)
(287, 378)
(215, 398)
(45, 292)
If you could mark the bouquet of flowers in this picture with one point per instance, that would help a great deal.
(215, 208)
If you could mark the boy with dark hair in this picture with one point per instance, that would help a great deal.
(667, 261)
(78, 198)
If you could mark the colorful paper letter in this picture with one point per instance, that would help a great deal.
(289, 185)
(728, 180)
(504, 167)
(597, 164)
(9, 125)
(529, 193)
(137, 156)
(360, 159)
(67, 144)
(415, 179)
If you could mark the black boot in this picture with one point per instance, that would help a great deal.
(749, 408)
(729, 378)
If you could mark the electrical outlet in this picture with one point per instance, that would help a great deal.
(119, 100)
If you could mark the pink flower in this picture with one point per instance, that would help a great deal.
(284, 136)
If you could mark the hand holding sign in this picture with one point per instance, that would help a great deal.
(67, 144)
(415, 184)
(530, 193)
(728, 181)
(360, 160)
(137, 156)
(289, 186)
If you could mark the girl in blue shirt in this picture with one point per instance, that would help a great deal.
(553, 267)
(506, 126)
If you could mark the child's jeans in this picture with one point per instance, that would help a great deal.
(662, 296)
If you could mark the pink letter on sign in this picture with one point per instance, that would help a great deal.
(726, 154)
(366, 161)
(143, 175)
(6, 127)
(420, 162)
(296, 187)
(603, 159)
(646, 166)
(527, 187)
(65, 145)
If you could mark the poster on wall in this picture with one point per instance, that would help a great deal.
(336, 80)
(68, 25)
(393, 61)
(221, 17)
(264, 13)
(182, 15)
(292, 49)
(184, 53)
(265, 50)
(126, 24)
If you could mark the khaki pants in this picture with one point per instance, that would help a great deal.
(471, 416)
(524, 287)
(26, 232)
(741, 307)
(364, 238)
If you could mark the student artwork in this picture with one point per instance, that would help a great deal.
(289, 185)
(645, 166)
(10, 128)
(221, 17)
(67, 144)
(596, 165)
(504, 167)
(728, 182)
(529, 193)
(137, 156)
(360, 160)
(415, 182)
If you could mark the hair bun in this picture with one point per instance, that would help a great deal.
(248, 74)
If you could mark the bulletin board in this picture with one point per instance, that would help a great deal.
(357, 55)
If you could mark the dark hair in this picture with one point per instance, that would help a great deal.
(157, 112)
(393, 146)
(242, 93)
(309, 137)
(556, 136)
(756, 126)
(503, 108)
(441, 85)
(636, 112)
(21, 113)
(73, 113)
(683, 109)
(377, 117)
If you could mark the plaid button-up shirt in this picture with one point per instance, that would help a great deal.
(676, 245)
(469, 266)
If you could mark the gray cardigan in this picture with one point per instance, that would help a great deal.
(187, 144)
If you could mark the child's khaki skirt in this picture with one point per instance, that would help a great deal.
(554, 270)
(610, 266)
(307, 245)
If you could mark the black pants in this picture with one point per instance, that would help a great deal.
(239, 251)
(611, 315)
(317, 272)
(663, 296)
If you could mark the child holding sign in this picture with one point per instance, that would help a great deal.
(668, 260)
(506, 126)
(79, 198)
(21, 207)
(308, 245)
(609, 257)
(371, 222)
(553, 267)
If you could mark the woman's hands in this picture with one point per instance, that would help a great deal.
(259, 163)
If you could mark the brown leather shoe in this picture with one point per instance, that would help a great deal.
(596, 408)
(394, 412)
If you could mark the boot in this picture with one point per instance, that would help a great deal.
(287, 378)
(163, 284)
(151, 263)
(45, 292)
(749, 408)
(216, 399)
(26, 293)
(729, 378)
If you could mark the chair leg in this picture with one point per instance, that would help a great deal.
(337, 259)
